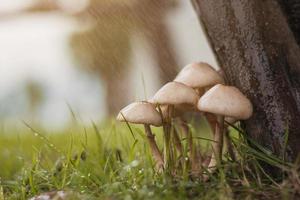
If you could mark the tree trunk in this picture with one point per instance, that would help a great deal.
(255, 42)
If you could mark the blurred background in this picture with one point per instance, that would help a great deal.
(91, 57)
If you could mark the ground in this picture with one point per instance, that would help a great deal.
(108, 161)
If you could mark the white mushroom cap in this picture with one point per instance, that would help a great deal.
(140, 113)
(175, 93)
(226, 101)
(199, 75)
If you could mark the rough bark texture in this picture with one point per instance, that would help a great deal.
(255, 42)
(292, 11)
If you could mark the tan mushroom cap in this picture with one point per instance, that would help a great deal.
(174, 93)
(140, 113)
(199, 75)
(226, 101)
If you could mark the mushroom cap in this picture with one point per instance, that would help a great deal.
(174, 93)
(226, 101)
(199, 75)
(140, 113)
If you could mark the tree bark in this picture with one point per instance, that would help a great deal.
(256, 45)
(292, 11)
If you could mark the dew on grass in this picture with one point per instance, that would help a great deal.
(134, 163)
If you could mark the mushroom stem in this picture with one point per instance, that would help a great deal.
(154, 148)
(219, 137)
(212, 120)
(189, 137)
(167, 136)
(177, 141)
(217, 146)
(187, 133)
(196, 162)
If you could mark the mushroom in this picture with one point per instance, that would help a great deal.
(231, 120)
(175, 93)
(224, 101)
(200, 76)
(172, 96)
(144, 113)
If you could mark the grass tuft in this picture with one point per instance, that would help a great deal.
(111, 161)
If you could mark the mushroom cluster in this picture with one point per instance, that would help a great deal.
(197, 88)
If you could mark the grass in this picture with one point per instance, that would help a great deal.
(108, 161)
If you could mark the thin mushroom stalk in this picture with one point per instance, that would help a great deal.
(192, 150)
(194, 155)
(177, 142)
(194, 165)
(154, 148)
(197, 168)
(170, 134)
(167, 139)
(217, 146)
(212, 120)
(186, 132)
(144, 113)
